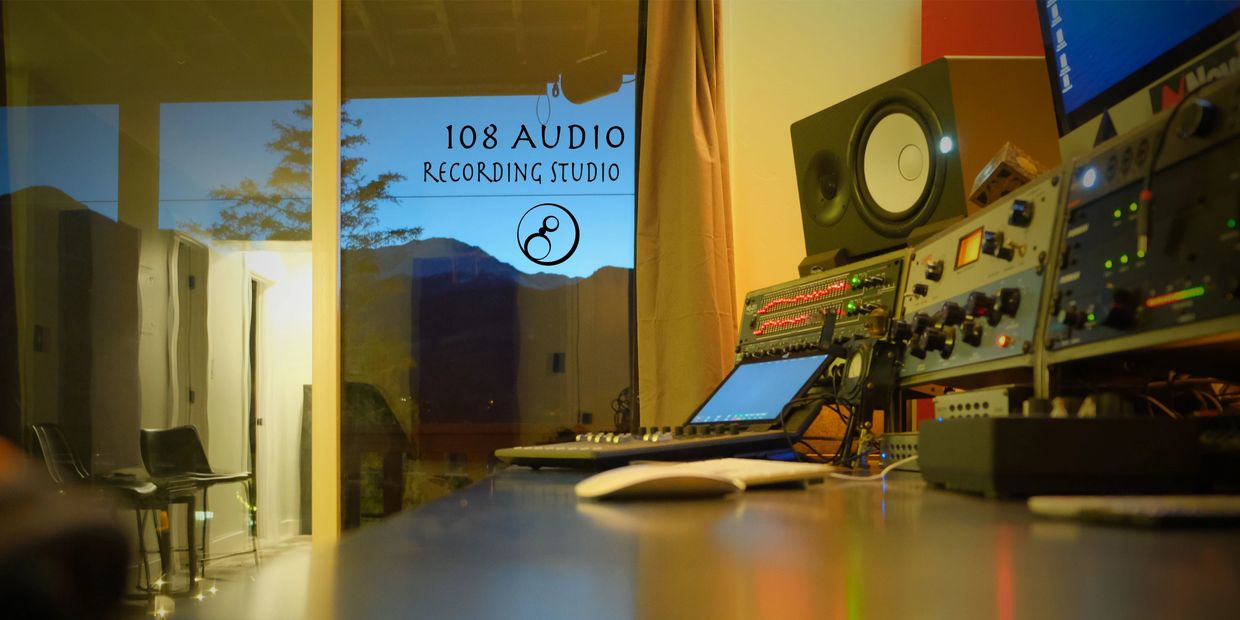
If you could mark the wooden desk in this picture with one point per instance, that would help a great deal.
(519, 545)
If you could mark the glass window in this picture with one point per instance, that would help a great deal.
(488, 208)
(155, 255)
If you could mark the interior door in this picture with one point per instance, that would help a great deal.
(191, 349)
(255, 419)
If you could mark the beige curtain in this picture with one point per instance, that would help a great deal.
(686, 323)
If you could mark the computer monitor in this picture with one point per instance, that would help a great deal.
(1130, 59)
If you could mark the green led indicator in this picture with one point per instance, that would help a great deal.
(851, 306)
(1124, 259)
(1133, 207)
(1090, 317)
(1231, 223)
(1140, 253)
(1109, 264)
(855, 281)
(1118, 213)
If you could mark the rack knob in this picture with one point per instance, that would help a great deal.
(952, 313)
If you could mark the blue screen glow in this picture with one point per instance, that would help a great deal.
(757, 392)
(1098, 43)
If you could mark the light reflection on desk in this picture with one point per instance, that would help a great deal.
(520, 545)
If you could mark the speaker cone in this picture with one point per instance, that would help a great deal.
(897, 172)
(895, 159)
(824, 193)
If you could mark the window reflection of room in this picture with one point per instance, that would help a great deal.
(125, 303)
(454, 342)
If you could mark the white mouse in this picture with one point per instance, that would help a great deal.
(650, 481)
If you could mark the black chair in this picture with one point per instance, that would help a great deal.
(178, 453)
(64, 467)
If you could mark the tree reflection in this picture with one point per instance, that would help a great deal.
(279, 209)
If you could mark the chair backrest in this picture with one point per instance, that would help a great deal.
(173, 451)
(62, 464)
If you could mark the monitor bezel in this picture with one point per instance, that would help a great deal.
(1195, 45)
(826, 361)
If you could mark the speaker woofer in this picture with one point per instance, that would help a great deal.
(824, 189)
(895, 168)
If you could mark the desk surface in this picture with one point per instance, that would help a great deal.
(519, 545)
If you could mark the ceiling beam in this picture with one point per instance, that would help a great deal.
(518, 16)
(445, 31)
(294, 25)
(205, 7)
(593, 14)
(77, 35)
(376, 33)
(173, 53)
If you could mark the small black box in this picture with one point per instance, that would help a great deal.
(1016, 456)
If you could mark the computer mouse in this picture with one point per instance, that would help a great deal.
(647, 481)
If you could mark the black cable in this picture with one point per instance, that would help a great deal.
(622, 410)
(835, 391)
(835, 384)
(842, 449)
(1146, 196)
(846, 445)
(783, 430)
(783, 419)
(811, 395)
(839, 414)
(814, 454)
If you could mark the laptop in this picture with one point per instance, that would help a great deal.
(759, 410)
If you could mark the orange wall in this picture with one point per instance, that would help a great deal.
(979, 28)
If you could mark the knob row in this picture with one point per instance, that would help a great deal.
(977, 306)
(664, 433)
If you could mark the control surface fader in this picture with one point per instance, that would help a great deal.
(681, 443)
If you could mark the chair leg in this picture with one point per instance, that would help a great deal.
(146, 563)
(163, 531)
(205, 520)
(191, 502)
(253, 518)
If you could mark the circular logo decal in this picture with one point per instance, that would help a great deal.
(548, 234)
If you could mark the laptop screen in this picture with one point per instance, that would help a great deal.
(758, 391)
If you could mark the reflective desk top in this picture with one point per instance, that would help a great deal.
(520, 545)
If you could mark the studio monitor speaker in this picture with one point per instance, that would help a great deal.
(875, 167)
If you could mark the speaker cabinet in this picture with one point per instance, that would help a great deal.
(904, 154)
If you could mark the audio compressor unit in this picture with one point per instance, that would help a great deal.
(1151, 252)
(789, 317)
(974, 298)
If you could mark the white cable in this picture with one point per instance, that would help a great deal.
(879, 476)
